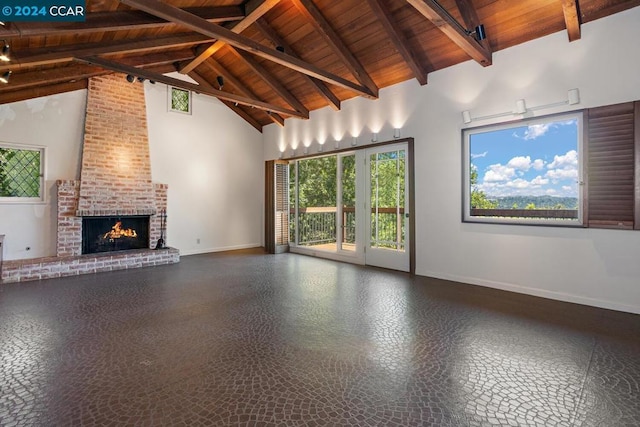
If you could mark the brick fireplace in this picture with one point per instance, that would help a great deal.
(115, 181)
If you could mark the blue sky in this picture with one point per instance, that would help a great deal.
(535, 160)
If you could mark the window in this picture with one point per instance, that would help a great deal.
(527, 172)
(179, 100)
(21, 173)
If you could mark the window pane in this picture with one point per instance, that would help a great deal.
(180, 100)
(349, 202)
(20, 173)
(317, 202)
(525, 171)
(387, 200)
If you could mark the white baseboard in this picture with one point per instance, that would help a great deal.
(559, 296)
(221, 249)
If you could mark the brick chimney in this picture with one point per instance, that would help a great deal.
(115, 178)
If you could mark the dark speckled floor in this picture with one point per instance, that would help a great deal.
(250, 339)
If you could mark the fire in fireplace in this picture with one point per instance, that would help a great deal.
(107, 234)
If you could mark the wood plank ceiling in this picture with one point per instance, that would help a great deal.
(278, 58)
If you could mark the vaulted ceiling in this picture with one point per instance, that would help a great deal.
(278, 58)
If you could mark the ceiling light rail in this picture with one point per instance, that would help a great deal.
(573, 98)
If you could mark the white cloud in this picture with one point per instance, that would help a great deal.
(535, 131)
(567, 188)
(551, 192)
(518, 183)
(560, 174)
(498, 172)
(538, 180)
(475, 156)
(520, 163)
(538, 164)
(567, 161)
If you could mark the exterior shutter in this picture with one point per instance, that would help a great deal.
(276, 239)
(611, 170)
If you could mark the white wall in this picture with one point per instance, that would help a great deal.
(595, 267)
(57, 123)
(213, 163)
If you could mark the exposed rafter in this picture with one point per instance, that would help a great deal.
(213, 66)
(272, 81)
(570, 8)
(399, 40)
(235, 108)
(124, 20)
(270, 34)
(254, 9)
(470, 18)
(324, 29)
(45, 56)
(126, 69)
(177, 15)
(435, 13)
(38, 91)
(52, 76)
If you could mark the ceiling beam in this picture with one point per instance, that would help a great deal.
(471, 19)
(270, 34)
(439, 16)
(38, 91)
(255, 9)
(213, 66)
(326, 31)
(174, 14)
(52, 76)
(235, 108)
(398, 39)
(572, 19)
(48, 55)
(123, 20)
(271, 81)
(126, 69)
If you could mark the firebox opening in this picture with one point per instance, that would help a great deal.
(114, 233)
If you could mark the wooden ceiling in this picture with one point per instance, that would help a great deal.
(279, 58)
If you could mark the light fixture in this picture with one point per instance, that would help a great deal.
(141, 79)
(220, 81)
(320, 148)
(293, 153)
(396, 133)
(152, 82)
(2, 23)
(574, 96)
(374, 137)
(5, 77)
(466, 116)
(280, 155)
(305, 150)
(478, 32)
(280, 49)
(521, 106)
(354, 141)
(4, 56)
(336, 144)
(131, 78)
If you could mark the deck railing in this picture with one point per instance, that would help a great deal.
(317, 225)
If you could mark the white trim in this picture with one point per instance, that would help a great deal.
(220, 249)
(351, 257)
(558, 296)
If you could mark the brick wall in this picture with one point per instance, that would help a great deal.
(115, 178)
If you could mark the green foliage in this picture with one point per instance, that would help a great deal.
(530, 206)
(479, 199)
(19, 173)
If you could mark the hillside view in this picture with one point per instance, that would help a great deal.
(535, 202)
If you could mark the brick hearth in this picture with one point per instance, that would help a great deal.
(115, 180)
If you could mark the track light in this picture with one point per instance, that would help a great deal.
(5, 77)
(521, 106)
(220, 81)
(4, 56)
(374, 137)
(141, 79)
(131, 78)
(354, 141)
(396, 133)
(466, 116)
(478, 32)
(280, 49)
